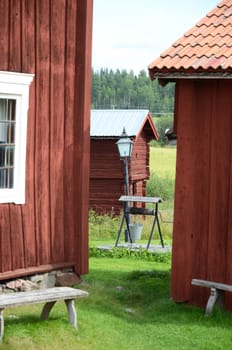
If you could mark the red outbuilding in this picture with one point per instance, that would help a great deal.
(45, 76)
(200, 63)
(107, 179)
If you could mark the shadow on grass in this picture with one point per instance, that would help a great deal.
(11, 319)
(143, 297)
(22, 316)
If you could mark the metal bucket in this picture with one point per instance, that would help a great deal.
(135, 231)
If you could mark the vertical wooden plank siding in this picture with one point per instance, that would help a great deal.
(201, 109)
(191, 190)
(69, 127)
(57, 18)
(183, 223)
(220, 201)
(42, 132)
(15, 39)
(28, 65)
(15, 62)
(219, 182)
(139, 164)
(228, 250)
(4, 41)
(5, 243)
(82, 129)
(201, 238)
(51, 39)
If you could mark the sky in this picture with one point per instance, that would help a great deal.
(130, 34)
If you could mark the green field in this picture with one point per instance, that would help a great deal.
(162, 184)
(163, 161)
(162, 173)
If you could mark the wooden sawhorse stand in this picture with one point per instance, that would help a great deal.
(140, 211)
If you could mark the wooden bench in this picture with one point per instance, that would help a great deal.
(49, 296)
(216, 293)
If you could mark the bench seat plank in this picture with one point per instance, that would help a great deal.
(216, 293)
(40, 296)
(48, 296)
(211, 284)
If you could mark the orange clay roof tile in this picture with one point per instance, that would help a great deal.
(205, 47)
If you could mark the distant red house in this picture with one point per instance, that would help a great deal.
(106, 169)
(44, 135)
(201, 65)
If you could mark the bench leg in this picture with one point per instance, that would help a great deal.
(72, 315)
(46, 310)
(1, 325)
(216, 296)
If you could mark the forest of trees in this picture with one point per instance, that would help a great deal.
(123, 90)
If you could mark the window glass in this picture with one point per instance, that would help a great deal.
(14, 102)
(7, 142)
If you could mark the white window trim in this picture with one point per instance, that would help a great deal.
(16, 86)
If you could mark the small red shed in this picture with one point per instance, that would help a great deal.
(106, 169)
(45, 78)
(201, 65)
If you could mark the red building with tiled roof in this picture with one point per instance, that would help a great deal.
(200, 63)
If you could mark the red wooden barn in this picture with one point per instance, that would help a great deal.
(44, 153)
(106, 169)
(200, 63)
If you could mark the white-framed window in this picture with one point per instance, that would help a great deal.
(14, 102)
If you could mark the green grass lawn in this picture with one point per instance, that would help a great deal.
(128, 308)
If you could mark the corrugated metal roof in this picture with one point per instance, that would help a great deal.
(207, 47)
(110, 122)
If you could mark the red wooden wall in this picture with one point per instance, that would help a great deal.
(202, 238)
(51, 39)
(107, 176)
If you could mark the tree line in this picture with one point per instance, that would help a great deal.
(125, 90)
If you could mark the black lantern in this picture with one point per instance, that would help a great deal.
(125, 146)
